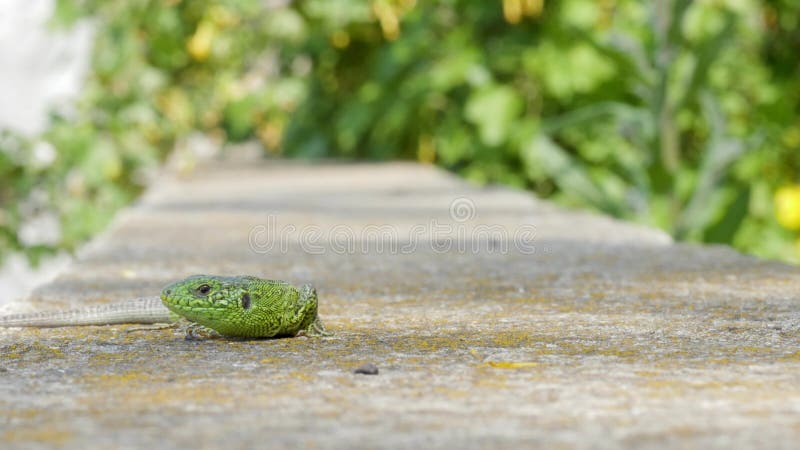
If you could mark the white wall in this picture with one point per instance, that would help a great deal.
(41, 68)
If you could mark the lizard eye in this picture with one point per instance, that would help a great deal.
(204, 289)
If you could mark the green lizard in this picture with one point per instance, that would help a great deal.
(241, 306)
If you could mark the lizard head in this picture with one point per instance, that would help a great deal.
(228, 305)
(207, 299)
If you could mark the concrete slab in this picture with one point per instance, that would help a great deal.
(496, 320)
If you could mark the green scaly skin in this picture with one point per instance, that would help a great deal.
(244, 306)
(240, 306)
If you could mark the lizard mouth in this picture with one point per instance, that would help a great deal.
(194, 311)
(188, 305)
(185, 303)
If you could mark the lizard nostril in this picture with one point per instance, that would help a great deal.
(167, 291)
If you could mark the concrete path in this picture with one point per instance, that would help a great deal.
(496, 321)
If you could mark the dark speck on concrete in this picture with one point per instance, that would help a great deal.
(367, 369)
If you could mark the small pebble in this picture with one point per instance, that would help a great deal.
(367, 369)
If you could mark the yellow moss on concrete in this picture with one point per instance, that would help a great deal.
(30, 350)
(42, 435)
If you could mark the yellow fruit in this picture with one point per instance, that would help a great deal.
(199, 45)
(340, 39)
(512, 11)
(787, 207)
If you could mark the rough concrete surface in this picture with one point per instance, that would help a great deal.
(601, 334)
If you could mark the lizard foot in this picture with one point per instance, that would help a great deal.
(197, 332)
(316, 329)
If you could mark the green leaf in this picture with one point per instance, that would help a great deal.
(542, 154)
(734, 213)
(493, 110)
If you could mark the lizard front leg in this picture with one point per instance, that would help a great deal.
(317, 329)
(196, 332)
(307, 314)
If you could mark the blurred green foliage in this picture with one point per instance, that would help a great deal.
(678, 114)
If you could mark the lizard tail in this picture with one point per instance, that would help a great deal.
(140, 310)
